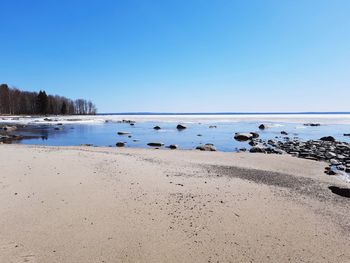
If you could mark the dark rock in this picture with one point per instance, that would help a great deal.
(156, 128)
(242, 149)
(132, 124)
(312, 124)
(155, 144)
(128, 121)
(328, 139)
(243, 136)
(180, 127)
(212, 126)
(123, 133)
(172, 146)
(120, 144)
(86, 144)
(262, 127)
(199, 135)
(346, 134)
(252, 143)
(331, 172)
(284, 132)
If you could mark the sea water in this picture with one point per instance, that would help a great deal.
(101, 130)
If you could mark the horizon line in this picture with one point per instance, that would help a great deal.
(223, 113)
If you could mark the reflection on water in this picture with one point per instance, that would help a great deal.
(220, 134)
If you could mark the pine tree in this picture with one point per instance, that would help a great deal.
(64, 108)
(42, 102)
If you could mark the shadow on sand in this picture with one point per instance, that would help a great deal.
(344, 192)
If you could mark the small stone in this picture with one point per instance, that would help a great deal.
(262, 127)
(120, 144)
(156, 128)
(180, 127)
(155, 144)
(123, 133)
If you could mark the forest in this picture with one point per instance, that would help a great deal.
(14, 102)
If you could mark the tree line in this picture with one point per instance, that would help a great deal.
(14, 101)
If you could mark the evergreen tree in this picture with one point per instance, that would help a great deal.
(42, 102)
(64, 108)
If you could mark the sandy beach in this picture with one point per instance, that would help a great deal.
(90, 204)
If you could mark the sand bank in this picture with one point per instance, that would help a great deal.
(85, 204)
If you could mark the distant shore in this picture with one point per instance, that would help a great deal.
(87, 204)
(323, 118)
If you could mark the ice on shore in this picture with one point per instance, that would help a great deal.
(99, 119)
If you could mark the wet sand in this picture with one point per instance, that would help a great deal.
(87, 204)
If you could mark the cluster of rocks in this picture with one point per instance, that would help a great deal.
(327, 149)
(337, 154)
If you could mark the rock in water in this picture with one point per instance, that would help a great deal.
(120, 144)
(346, 134)
(328, 139)
(123, 133)
(262, 127)
(243, 136)
(180, 127)
(156, 128)
(172, 146)
(155, 144)
(207, 147)
(284, 132)
(312, 124)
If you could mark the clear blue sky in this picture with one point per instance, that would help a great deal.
(181, 55)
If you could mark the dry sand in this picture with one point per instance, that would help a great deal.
(85, 204)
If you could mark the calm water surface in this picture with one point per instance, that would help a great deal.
(222, 137)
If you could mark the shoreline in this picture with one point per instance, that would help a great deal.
(101, 204)
(325, 118)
